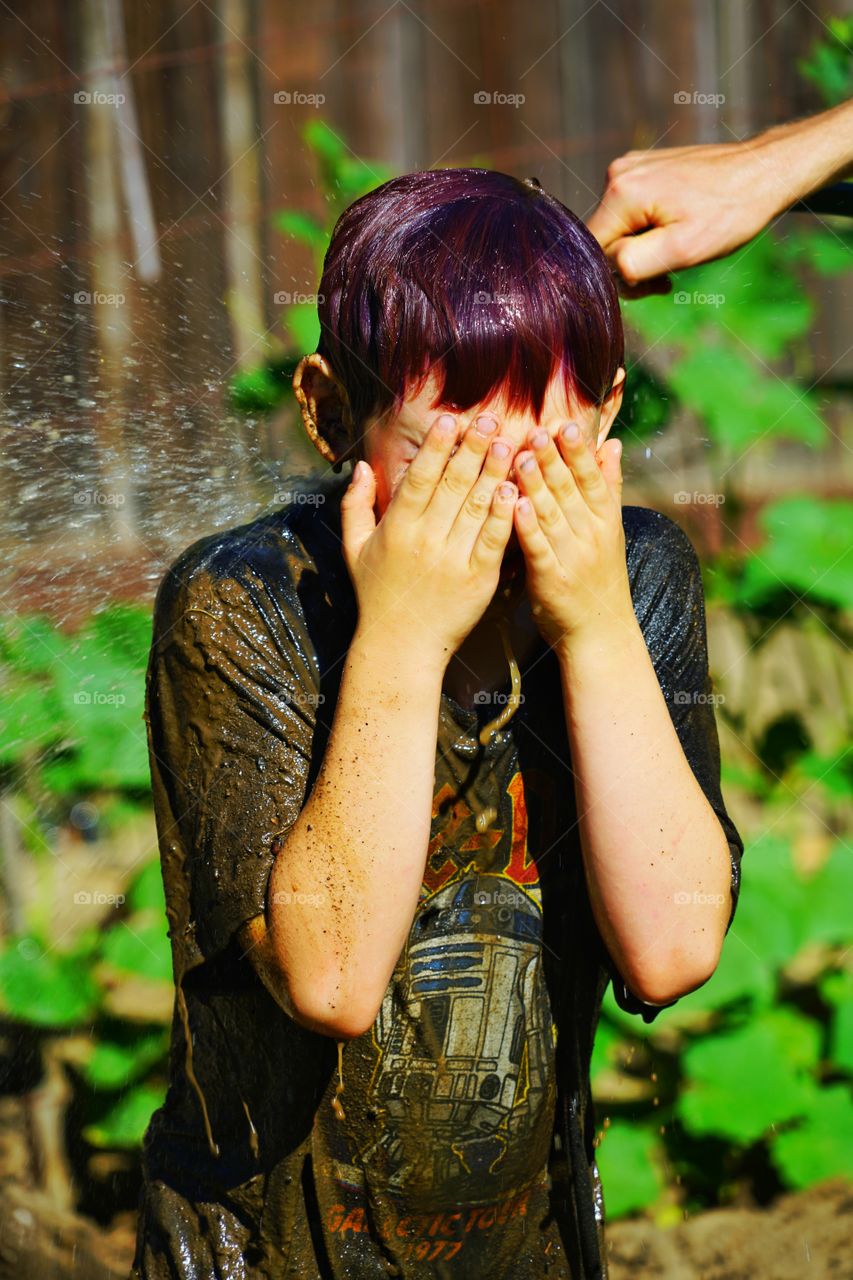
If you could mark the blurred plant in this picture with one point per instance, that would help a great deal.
(830, 63)
(342, 179)
(113, 985)
(751, 1070)
(71, 720)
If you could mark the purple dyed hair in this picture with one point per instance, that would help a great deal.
(476, 276)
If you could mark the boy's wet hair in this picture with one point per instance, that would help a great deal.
(483, 279)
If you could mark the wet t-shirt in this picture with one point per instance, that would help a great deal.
(462, 1143)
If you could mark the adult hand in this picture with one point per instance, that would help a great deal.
(665, 210)
(690, 204)
(426, 572)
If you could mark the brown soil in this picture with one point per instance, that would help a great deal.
(803, 1236)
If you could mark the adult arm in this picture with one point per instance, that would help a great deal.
(675, 207)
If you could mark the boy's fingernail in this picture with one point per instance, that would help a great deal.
(539, 439)
(446, 424)
(500, 449)
(506, 492)
(359, 472)
(486, 426)
(571, 432)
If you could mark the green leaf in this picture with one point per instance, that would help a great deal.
(114, 1065)
(629, 1159)
(821, 1146)
(739, 402)
(837, 988)
(123, 1126)
(742, 1083)
(808, 548)
(303, 325)
(302, 226)
(145, 891)
(826, 897)
(45, 987)
(323, 141)
(138, 947)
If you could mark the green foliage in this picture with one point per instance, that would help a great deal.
(628, 1159)
(739, 1060)
(829, 66)
(343, 178)
(62, 990)
(75, 701)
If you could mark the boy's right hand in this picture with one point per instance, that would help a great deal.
(426, 572)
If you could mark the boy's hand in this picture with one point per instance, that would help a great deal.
(569, 524)
(426, 572)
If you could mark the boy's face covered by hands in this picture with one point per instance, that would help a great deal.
(445, 508)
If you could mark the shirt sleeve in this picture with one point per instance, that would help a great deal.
(232, 705)
(669, 603)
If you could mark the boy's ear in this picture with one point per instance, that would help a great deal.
(325, 408)
(610, 407)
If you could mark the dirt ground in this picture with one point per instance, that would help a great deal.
(801, 1237)
(805, 1236)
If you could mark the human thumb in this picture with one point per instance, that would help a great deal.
(651, 253)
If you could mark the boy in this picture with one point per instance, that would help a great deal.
(433, 761)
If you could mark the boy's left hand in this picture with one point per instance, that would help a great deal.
(568, 518)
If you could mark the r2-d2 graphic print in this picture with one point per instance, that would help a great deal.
(463, 1085)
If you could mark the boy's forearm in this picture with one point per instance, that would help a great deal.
(656, 858)
(344, 888)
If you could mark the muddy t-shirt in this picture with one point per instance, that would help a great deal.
(461, 1144)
